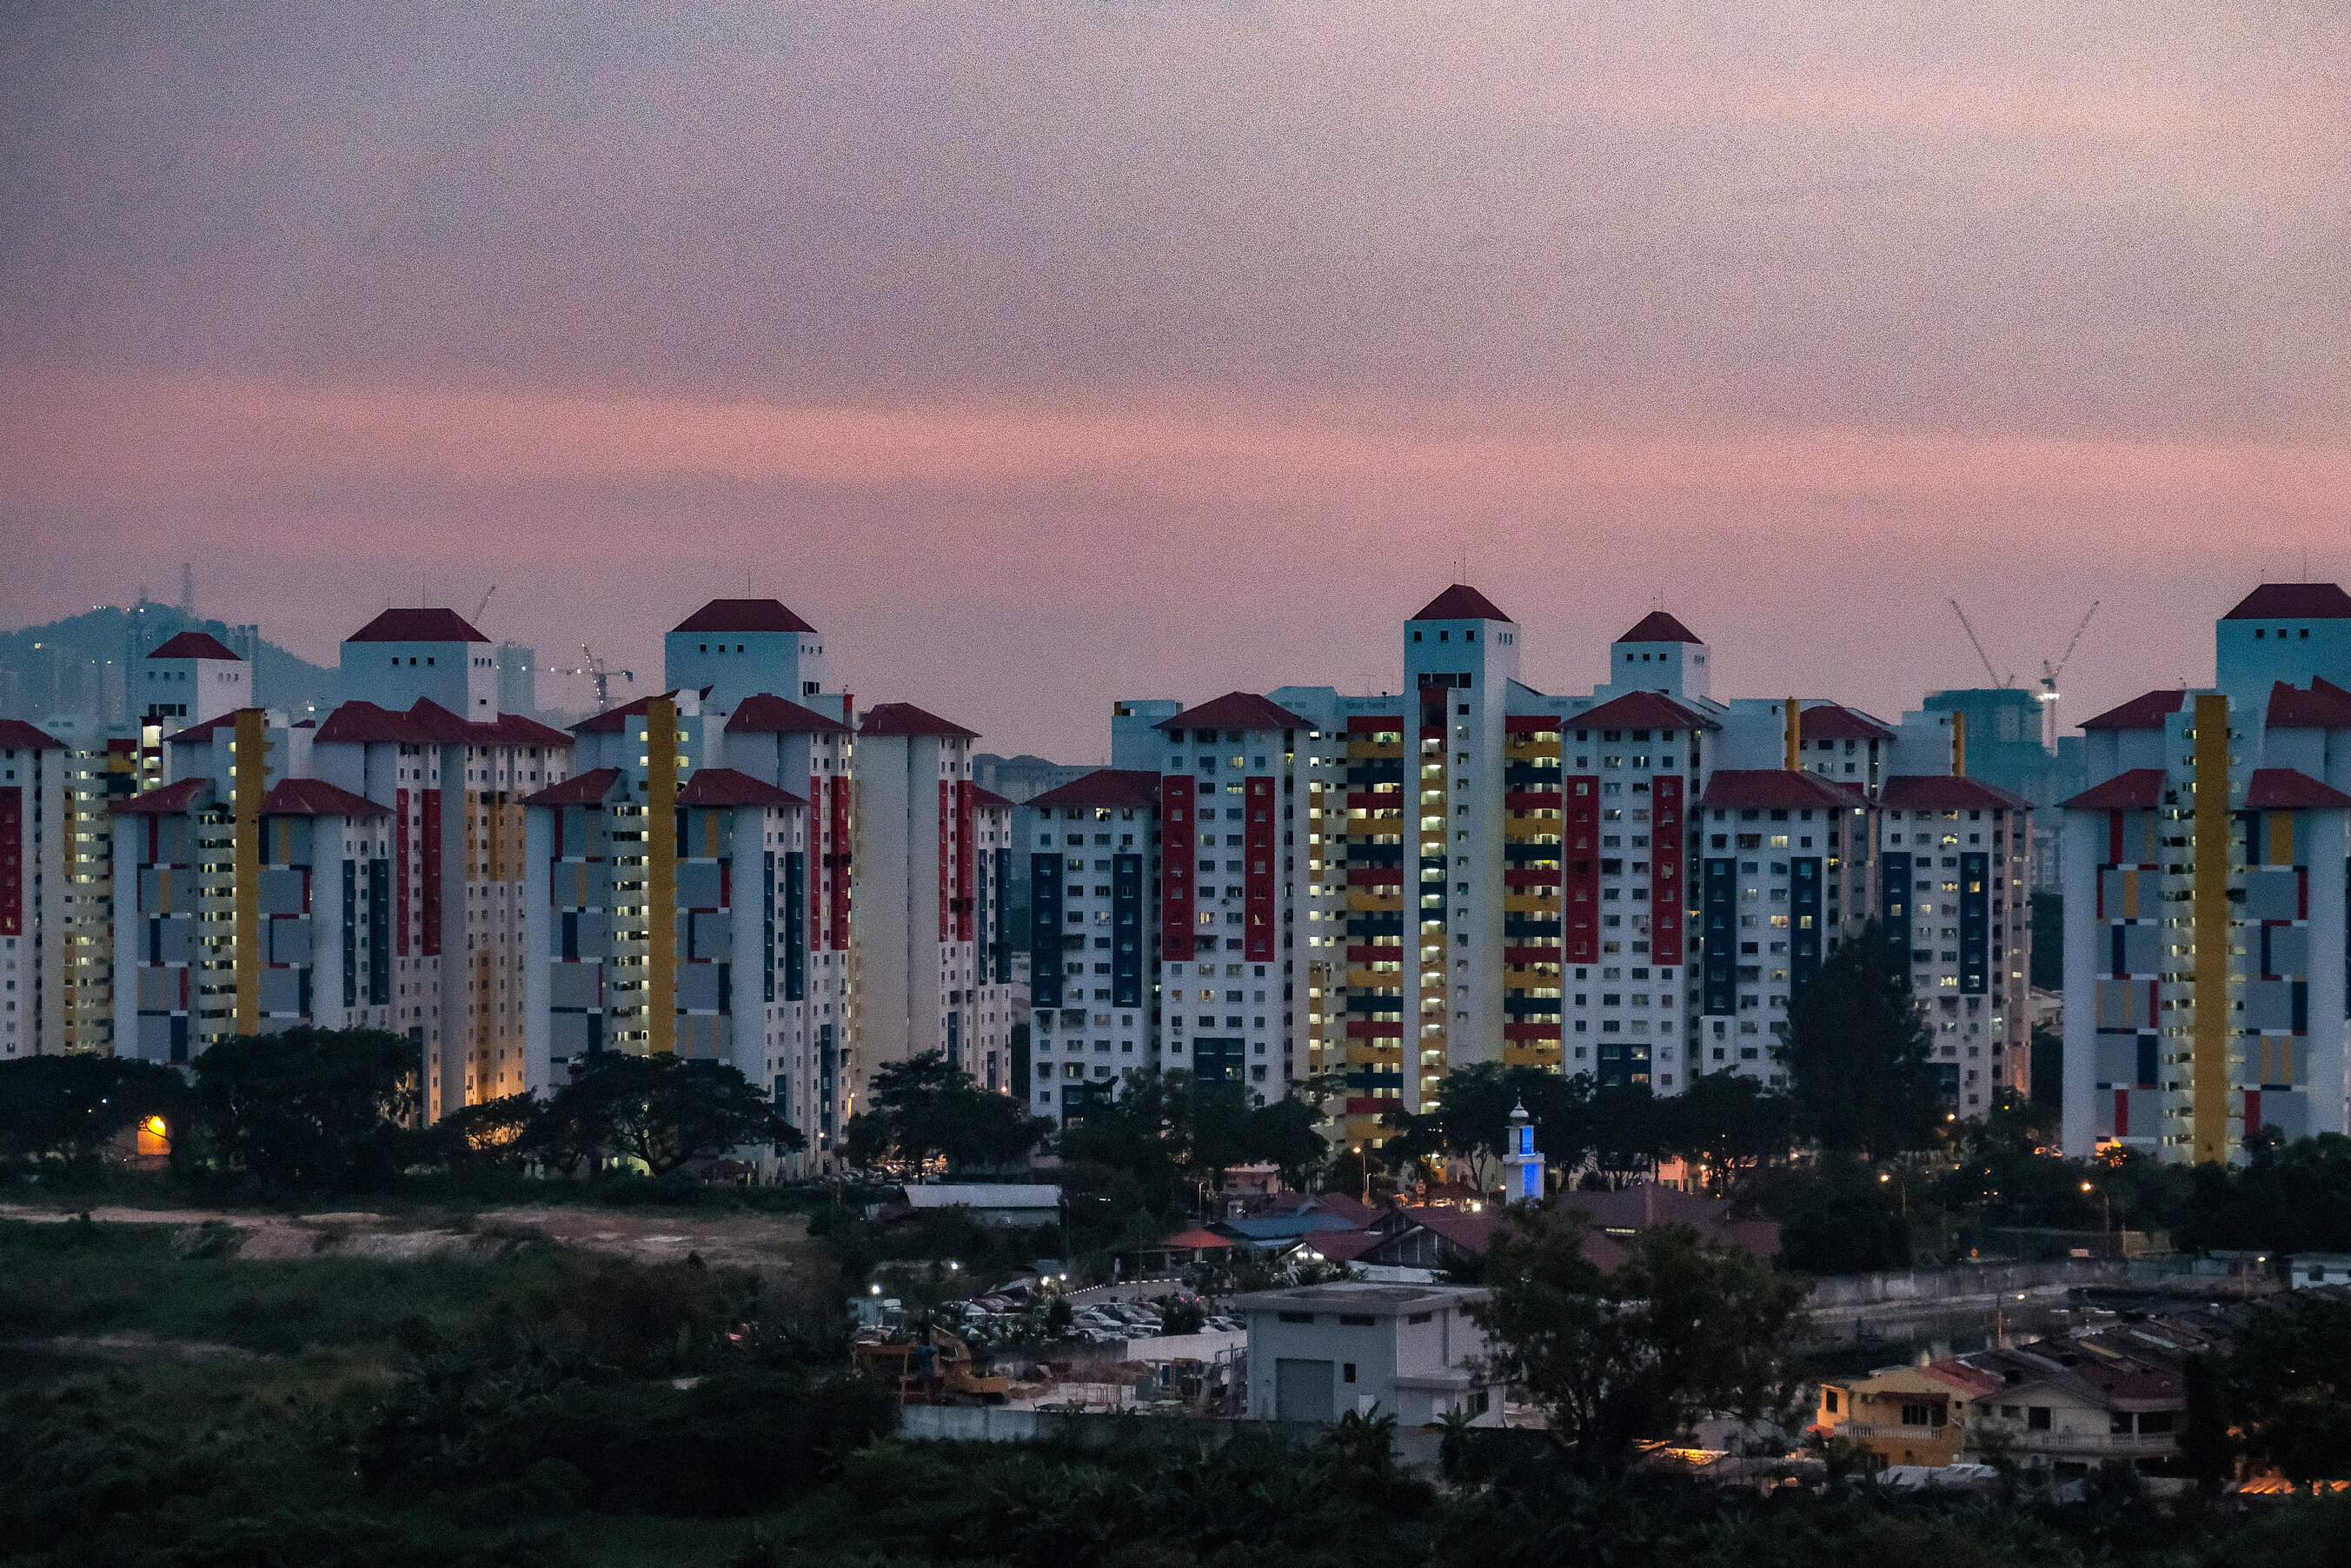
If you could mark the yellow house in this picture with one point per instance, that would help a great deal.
(1903, 1414)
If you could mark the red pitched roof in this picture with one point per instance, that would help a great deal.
(363, 723)
(196, 645)
(2147, 712)
(2324, 706)
(2139, 790)
(1943, 793)
(1644, 710)
(417, 626)
(905, 719)
(1235, 710)
(1657, 626)
(202, 734)
(1104, 786)
(1775, 787)
(15, 734)
(2287, 790)
(1460, 602)
(743, 615)
(725, 787)
(1341, 1246)
(587, 789)
(1346, 1207)
(1835, 721)
(2293, 602)
(1963, 1377)
(167, 799)
(316, 798)
(989, 800)
(1198, 1238)
(768, 714)
(432, 722)
(613, 721)
(514, 729)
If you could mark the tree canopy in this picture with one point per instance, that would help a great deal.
(1858, 1053)
(69, 1107)
(923, 1109)
(661, 1111)
(2287, 1383)
(311, 1109)
(1616, 1359)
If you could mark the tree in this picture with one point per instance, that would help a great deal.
(1472, 1118)
(660, 1110)
(492, 1133)
(923, 1109)
(71, 1107)
(1858, 1053)
(1679, 1328)
(1628, 1130)
(1729, 1124)
(311, 1109)
(2289, 1386)
(1834, 1216)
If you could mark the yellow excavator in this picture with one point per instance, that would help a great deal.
(951, 1373)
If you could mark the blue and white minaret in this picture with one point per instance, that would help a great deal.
(1523, 1162)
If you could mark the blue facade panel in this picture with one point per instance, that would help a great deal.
(1719, 908)
(1804, 912)
(1975, 924)
(1126, 930)
(350, 934)
(1045, 931)
(795, 925)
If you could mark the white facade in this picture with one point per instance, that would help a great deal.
(1317, 1352)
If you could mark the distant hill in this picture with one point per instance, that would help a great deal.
(78, 665)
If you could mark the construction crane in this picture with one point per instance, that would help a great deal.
(1977, 641)
(601, 674)
(484, 604)
(2047, 696)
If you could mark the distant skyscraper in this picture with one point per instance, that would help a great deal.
(518, 679)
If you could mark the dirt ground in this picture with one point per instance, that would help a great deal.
(767, 1242)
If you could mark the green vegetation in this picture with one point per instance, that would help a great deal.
(1857, 1050)
(1678, 1329)
(924, 1110)
(307, 1111)
(539, 1407)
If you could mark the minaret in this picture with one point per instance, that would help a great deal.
(1523, 1162)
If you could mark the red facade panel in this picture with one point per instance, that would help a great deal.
(432, 839)
(1580, 869)
(1665, 848)
(401, 838)
(12, 861)
(1259, 875)
(1177, 887)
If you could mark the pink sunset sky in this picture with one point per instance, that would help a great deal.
(1043, 354)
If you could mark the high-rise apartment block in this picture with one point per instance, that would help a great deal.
(2206, 874)
(1633, 881)
(1631, 884)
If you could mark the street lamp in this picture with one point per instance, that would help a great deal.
(2106, 1209)
(1901, 1187)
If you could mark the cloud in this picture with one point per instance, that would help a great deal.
(1043, 351)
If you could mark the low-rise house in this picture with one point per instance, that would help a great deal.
(2306, 1269)
(2071, 1403)
(1903, 1414)
(1316, 1351)
(1000, 1203)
